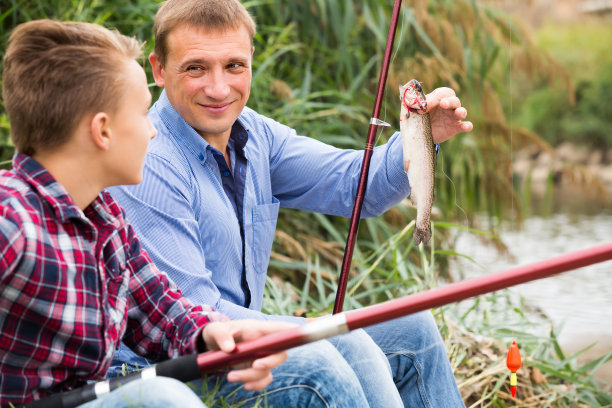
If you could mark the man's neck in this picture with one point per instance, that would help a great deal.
(220, 143)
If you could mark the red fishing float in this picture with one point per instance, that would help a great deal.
(513, 362)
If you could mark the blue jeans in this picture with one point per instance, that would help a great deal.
(368, 366)
(419, 363)
(157, 392)
(415, 356)
(314, 375)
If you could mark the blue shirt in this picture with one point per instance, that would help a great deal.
(189, 226)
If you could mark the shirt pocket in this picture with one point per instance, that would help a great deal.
(264, 226)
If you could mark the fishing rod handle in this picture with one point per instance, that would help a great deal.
(183, 368)
(319, 329)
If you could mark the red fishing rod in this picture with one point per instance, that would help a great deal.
(365, 166)
(191, 367)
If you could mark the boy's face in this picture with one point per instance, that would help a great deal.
(207, 77)
(131, 128)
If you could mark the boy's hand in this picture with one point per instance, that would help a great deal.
(225, 335)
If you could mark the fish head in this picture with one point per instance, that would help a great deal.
(413, 97)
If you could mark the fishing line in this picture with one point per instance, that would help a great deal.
(398, 45)
(513, 351)
(511, 112)
(466, 219)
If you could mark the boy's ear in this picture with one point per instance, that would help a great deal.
(157, 70)
(100, 130)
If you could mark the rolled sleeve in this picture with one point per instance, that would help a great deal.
(313, 176)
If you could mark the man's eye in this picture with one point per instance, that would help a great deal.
(194, 68)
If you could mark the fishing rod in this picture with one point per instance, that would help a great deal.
(191, 367)
(365, 166)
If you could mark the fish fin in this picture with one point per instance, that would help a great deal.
(413, 200)
(406, 165)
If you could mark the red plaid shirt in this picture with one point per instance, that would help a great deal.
(73, 284)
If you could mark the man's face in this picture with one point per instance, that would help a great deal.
(131, 128)
(207, 77)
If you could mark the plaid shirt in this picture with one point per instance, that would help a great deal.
(73, 283)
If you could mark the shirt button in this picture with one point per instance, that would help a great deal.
(201, 156)
(226, 174)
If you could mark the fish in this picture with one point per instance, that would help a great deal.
(419, 155)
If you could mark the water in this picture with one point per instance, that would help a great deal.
(579, 302)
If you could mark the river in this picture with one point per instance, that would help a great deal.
(579, 302)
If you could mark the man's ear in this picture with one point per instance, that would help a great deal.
(100, 130)
(158, 70)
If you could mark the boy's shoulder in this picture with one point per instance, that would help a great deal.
(10, 182)
(13, 188)
(15, 200)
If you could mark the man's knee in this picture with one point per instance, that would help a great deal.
(320, 375)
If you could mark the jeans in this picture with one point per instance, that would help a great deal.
(419, 363)
(314, 375)
(159, 392)
(415, 356)
(370, 366)
(367, 364)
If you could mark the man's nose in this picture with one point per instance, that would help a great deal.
(217, 86)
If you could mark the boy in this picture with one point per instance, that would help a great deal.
(74, 280)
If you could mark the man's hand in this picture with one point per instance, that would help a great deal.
(225, 335)
(446, 114)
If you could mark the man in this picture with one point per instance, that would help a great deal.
(74, 279)
(217, 173)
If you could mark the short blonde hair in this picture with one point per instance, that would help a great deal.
(57, 72)
(207, 14)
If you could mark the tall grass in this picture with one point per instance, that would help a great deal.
(315, 68)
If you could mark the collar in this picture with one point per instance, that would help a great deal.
(54, 194)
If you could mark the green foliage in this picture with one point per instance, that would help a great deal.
(584, 50)
(543, 111)
(591, 120)
(6, 145)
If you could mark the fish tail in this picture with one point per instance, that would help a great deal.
(422, 235)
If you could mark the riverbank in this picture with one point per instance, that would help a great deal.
(567, 167)
(569, 191)
(576, 303)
